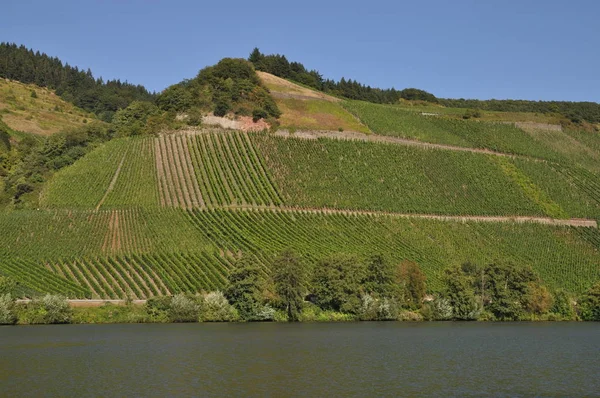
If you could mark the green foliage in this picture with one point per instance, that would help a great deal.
(378, 309)
(399, 122)
(289, 278)
(135, 119)
(7, 285)
(72, 84)
(33, 94)
(576, 111)
(244, 289)
(229, 86)
(589, 304)
(7, 315)
(472, 113)
(338, 283)
(563, 305)
(460, 293)
(385, 177)
(412, 282)
(278, 65)
(216, 308)
(548, 206)
(415, 94)
(184, 308)
(49, 309)
(381, 280)
(175, 98)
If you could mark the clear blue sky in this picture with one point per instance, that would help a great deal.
(526, 49)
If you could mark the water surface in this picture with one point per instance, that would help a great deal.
(336, 359)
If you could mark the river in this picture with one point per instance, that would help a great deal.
(313, 359)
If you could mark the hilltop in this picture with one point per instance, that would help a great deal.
(156, 202)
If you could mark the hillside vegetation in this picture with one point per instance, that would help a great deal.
(29, 108)
(156, 204)
(119, 252)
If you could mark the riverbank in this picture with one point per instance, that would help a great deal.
(132, 312)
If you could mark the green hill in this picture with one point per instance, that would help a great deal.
(170, 210)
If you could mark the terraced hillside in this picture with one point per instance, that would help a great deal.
(141, 253)
(209, 169)
(157, 215)
(541, 142)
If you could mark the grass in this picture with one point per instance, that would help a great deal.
(501, 137)
(489, 116)
(317, 115)
(44, 115)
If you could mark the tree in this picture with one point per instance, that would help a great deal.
(381, 277)
(412, 282)
(589, 304)
(507, 286)
(338, 283)
(289, 277)
(538, 299)
(244, 290)
(133, 119)
(562, 305)
(460, 294)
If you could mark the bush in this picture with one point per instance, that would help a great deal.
(157, 308)
(184, 308)
(258, 114)
(589, 305)
(373, 309)
(216, 308)
(221, 108)
(50, 309)
(7, 315)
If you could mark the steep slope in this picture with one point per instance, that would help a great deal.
(306, 109)
(42, 113)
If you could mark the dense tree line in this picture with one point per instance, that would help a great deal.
(70, 83)
(278, 65)
(575, 111)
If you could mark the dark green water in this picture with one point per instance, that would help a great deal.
(343, 359)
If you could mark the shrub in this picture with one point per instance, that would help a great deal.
(7, 315)
(258, 114)
(589, 305)
(442, 309)
(216, 308)
(184, 308)
(373, 309)
(50, 309)
(158, 308)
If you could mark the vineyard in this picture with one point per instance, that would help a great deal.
(142, 253)
(176, 170)
(142, 217)
(500, 137)
(386, 177)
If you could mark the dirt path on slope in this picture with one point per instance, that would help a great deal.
(573, 222)
(112, 183)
